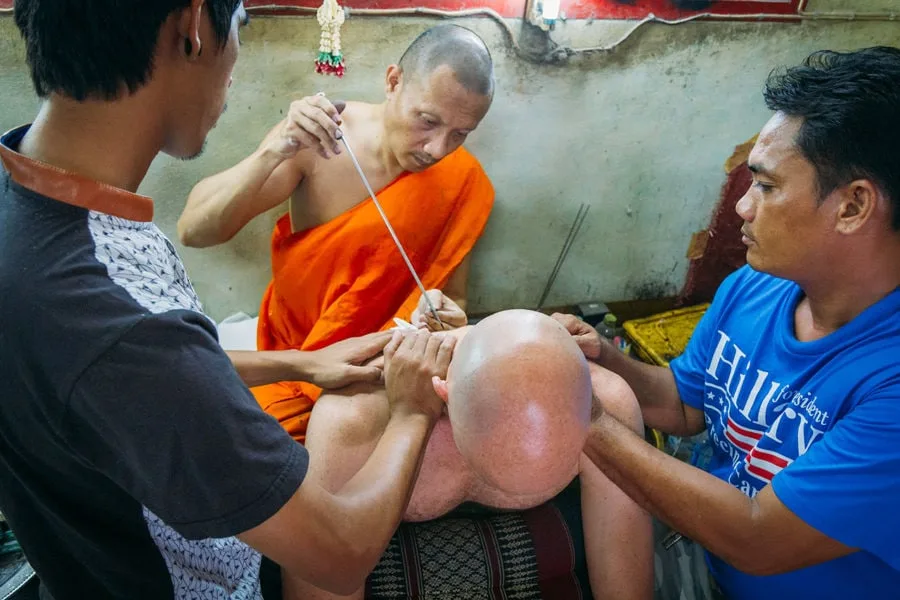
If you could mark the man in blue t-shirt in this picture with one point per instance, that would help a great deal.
(794, 370)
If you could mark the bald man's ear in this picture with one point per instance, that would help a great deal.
(392, 79)
(440, 388)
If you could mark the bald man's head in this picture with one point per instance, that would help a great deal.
(457, 48)
(520, 402)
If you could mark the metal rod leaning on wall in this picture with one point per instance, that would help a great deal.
(567, 245)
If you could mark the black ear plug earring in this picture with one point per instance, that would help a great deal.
(188, 47)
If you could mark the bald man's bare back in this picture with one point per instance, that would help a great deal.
(345, 427)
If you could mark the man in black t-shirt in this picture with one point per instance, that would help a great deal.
(134, 462)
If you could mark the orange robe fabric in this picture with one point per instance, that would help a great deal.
(346, 278)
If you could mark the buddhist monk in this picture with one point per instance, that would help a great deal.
(519, 398)
(336, 272)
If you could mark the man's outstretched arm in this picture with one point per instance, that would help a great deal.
(334, 539)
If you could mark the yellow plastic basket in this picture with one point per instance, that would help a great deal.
(660, 338)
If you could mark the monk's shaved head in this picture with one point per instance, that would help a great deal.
(520, 402)
(456, 47)
(436, 96)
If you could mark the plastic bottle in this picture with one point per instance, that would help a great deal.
(609, 327)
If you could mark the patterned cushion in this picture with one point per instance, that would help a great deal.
(479, 553)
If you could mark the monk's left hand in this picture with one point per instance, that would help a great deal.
(452, 316)
(342, 363)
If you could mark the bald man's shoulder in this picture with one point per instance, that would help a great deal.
(616, 397)
(357, 413)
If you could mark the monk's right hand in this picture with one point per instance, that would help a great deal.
(313, 122)
(412, 359)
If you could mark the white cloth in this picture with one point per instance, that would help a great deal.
(238, 332)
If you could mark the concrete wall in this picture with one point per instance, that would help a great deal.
(640, 134)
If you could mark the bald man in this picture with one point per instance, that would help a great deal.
(336, 273)
(519, 395)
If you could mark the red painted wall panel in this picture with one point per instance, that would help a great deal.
(573, 9)
(673, 9)
(579, 9)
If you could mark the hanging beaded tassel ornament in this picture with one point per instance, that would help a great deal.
(330, 60)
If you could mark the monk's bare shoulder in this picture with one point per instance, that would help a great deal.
(331, 186)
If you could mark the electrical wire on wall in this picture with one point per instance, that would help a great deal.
(557, 54)
(802, 14)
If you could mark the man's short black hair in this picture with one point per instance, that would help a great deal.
(92, 48)
(850, 106)
(458, 48)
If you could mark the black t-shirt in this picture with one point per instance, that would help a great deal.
(130, 450)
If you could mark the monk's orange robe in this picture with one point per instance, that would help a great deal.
(345, 278)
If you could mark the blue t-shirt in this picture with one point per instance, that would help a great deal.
(820, 420)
